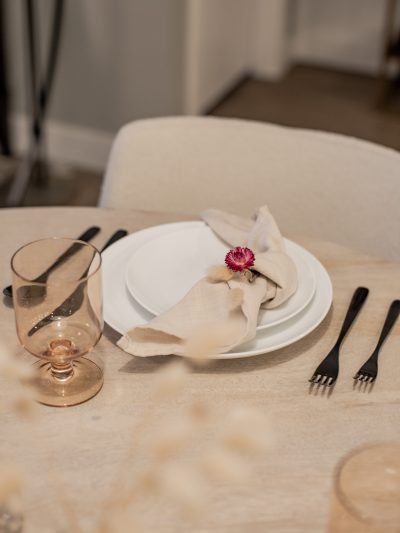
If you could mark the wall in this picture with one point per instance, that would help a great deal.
(227, 39)
(269, 38)
(127, 59)
(341, 34)
(120, 60)
(216, 35)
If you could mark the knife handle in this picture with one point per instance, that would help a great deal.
(115, 237)
(86, 236)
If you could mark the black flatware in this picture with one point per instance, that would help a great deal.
(71, 304)
(369, 370)
(37, 291)
(327, 372)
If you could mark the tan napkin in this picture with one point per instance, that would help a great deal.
(230, 307)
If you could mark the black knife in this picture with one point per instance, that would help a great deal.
(74, 301)
(42, 278)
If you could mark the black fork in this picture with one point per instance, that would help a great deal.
(327, 372)
(369, 371)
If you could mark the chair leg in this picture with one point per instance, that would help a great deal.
(33, 169)
(21, 181)
(4, 129)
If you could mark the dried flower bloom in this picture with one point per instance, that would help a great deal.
(19, 372)
(13, 367)
(246, 430)
(236, 298)
(185, 486)
(221, 465)
(147, 482)
(11, 483)
(199, 412)
(239, 259)
(170, 380)
(219, 273)
(11, 520)
(171, 437)
(22, 402)
(120, 519)
(204, 342)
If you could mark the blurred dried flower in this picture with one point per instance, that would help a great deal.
(23, 402)
(219, 273)
(168, 475)
(170, 380)
(147, 482)
(201, 344)
(120, 518)
(185, 486)
(246, 430)
(199, 412)
(11, 483)
(236, 298)
(171, 437)
(13, 367)
(222, 465)
(19, 372)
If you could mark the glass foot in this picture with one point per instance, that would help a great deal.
(84, 383)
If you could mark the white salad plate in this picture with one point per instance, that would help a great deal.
(162, 270)
(122, 312)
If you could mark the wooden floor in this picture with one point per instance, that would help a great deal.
(308, 97)
(72, 186)
(319, 99)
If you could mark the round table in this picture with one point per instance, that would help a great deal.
(78, 451)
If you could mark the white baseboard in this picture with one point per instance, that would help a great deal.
(66, 144)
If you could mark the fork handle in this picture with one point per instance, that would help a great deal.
(391, 317)
(359, 297)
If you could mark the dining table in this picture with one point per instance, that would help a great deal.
(71, 456)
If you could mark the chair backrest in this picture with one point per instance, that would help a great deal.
(319, 184)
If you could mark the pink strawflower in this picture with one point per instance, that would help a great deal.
(239, 259)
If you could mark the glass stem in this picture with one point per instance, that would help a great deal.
(62, 371)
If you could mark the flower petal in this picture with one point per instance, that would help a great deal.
(239, 259)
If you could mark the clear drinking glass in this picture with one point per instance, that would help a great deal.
(367, 491)
(58, 310)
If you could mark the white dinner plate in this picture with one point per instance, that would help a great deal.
(162, 270)
(122, 312)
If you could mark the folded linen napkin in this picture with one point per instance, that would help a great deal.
(232, 305)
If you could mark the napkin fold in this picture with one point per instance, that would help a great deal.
(231, 306)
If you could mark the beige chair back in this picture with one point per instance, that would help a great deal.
(318, 184)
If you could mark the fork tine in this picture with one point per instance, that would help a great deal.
(313, 378)
(372, 379)
(324, 380)
(357, 375)
(330, 381)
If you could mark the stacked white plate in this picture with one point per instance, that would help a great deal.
(146, 273)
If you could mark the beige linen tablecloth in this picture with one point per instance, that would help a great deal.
(290, 491)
